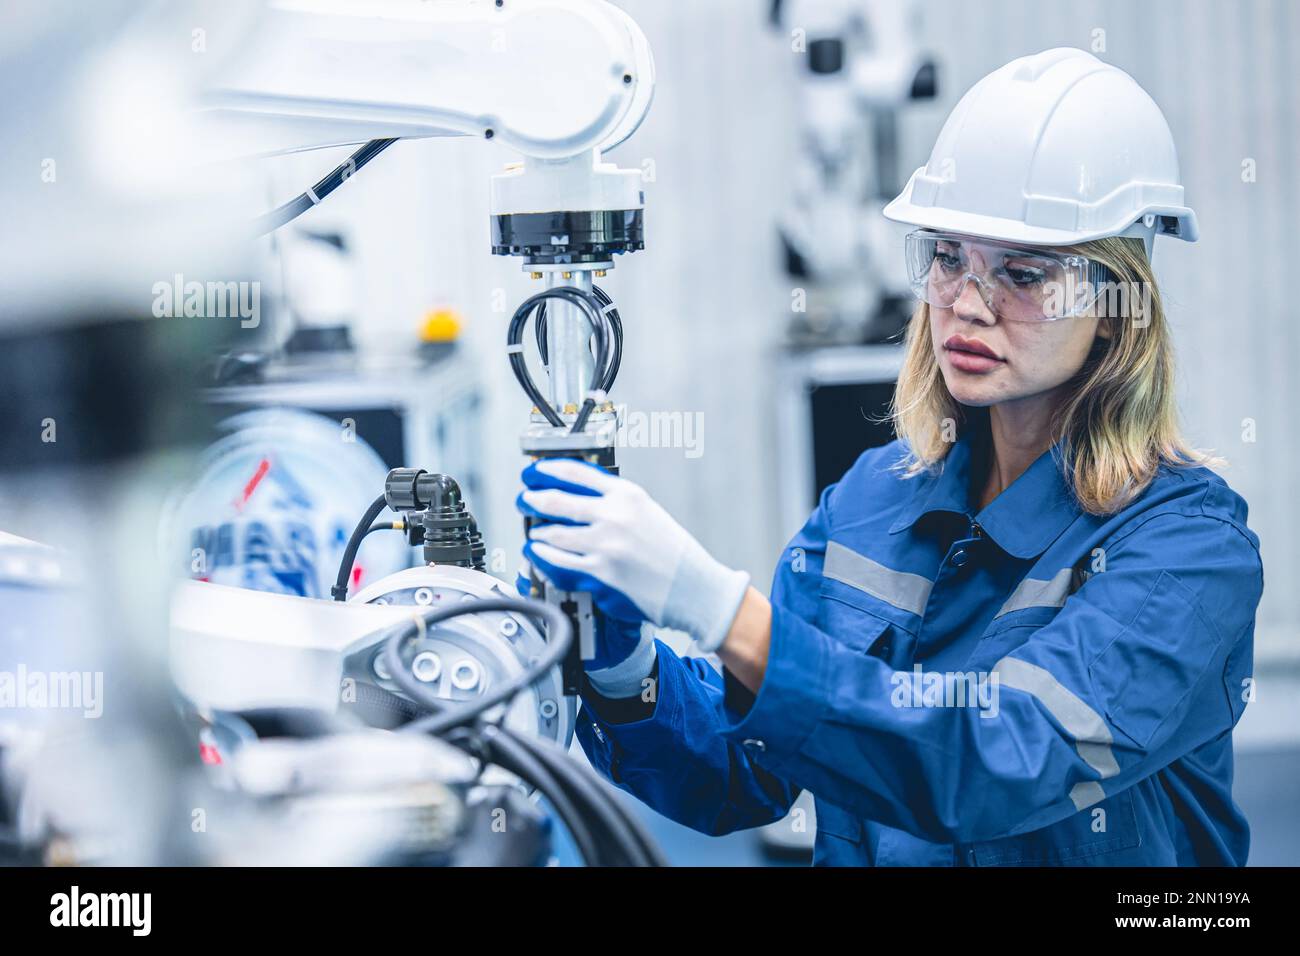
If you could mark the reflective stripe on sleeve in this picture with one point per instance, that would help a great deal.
(1034, 592)
(903, 590)
(1091, 736)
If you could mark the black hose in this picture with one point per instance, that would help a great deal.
(514, 337)
(282, 215)
(509, 752)
(340, 589)
(616, 324)
(568, 776)
(504, 748)
(616, 327)
(601, 325)
(579, 423)
(586, 787)
(651, 854)
(576, 785)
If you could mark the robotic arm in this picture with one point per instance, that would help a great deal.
(339, 71)
(560, 81)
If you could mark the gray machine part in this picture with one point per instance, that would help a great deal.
(462, 658)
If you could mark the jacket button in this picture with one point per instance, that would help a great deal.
(752, 744)
(959, 558)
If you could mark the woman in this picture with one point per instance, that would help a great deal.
(1021, 633)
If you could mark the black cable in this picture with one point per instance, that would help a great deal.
(509, 752)
(585, 786)
(559, 637)
(601, 325)
(616, 325)
(576, 786)
(385, 526)
(641, 836)
(584, 413)
(614, 360)
(514, 338)
(619, 844)
(281, 215)
(585, 790)
(491, 744)
(340, 589)
(652, 855)
(616, 322)
(445, 717)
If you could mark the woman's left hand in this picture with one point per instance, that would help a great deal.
(625, 650)
(606, 535)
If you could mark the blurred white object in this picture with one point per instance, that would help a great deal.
(1052, 149)
(235, 649)
(366, 796)
(320, 281)
(99, 188)
(862, 66)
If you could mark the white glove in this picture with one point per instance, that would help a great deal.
(613, 539)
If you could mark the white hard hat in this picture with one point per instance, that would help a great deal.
(1052, 149)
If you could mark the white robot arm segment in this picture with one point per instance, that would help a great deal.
(549, 78)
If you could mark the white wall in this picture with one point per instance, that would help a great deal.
(706, 301)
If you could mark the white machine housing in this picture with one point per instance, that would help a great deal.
(238, 650)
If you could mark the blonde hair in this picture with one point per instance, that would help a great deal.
(1119, 421)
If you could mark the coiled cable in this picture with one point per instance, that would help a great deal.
(607, 328)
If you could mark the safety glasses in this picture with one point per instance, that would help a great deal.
(1018, 283)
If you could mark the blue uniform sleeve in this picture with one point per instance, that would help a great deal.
(676, 758)
(1138, 668)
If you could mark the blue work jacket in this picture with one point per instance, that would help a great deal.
(1025, 684)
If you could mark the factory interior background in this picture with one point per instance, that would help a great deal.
(732, 355)
(707, 305)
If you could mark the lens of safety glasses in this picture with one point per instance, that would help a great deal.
(1016, 282)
